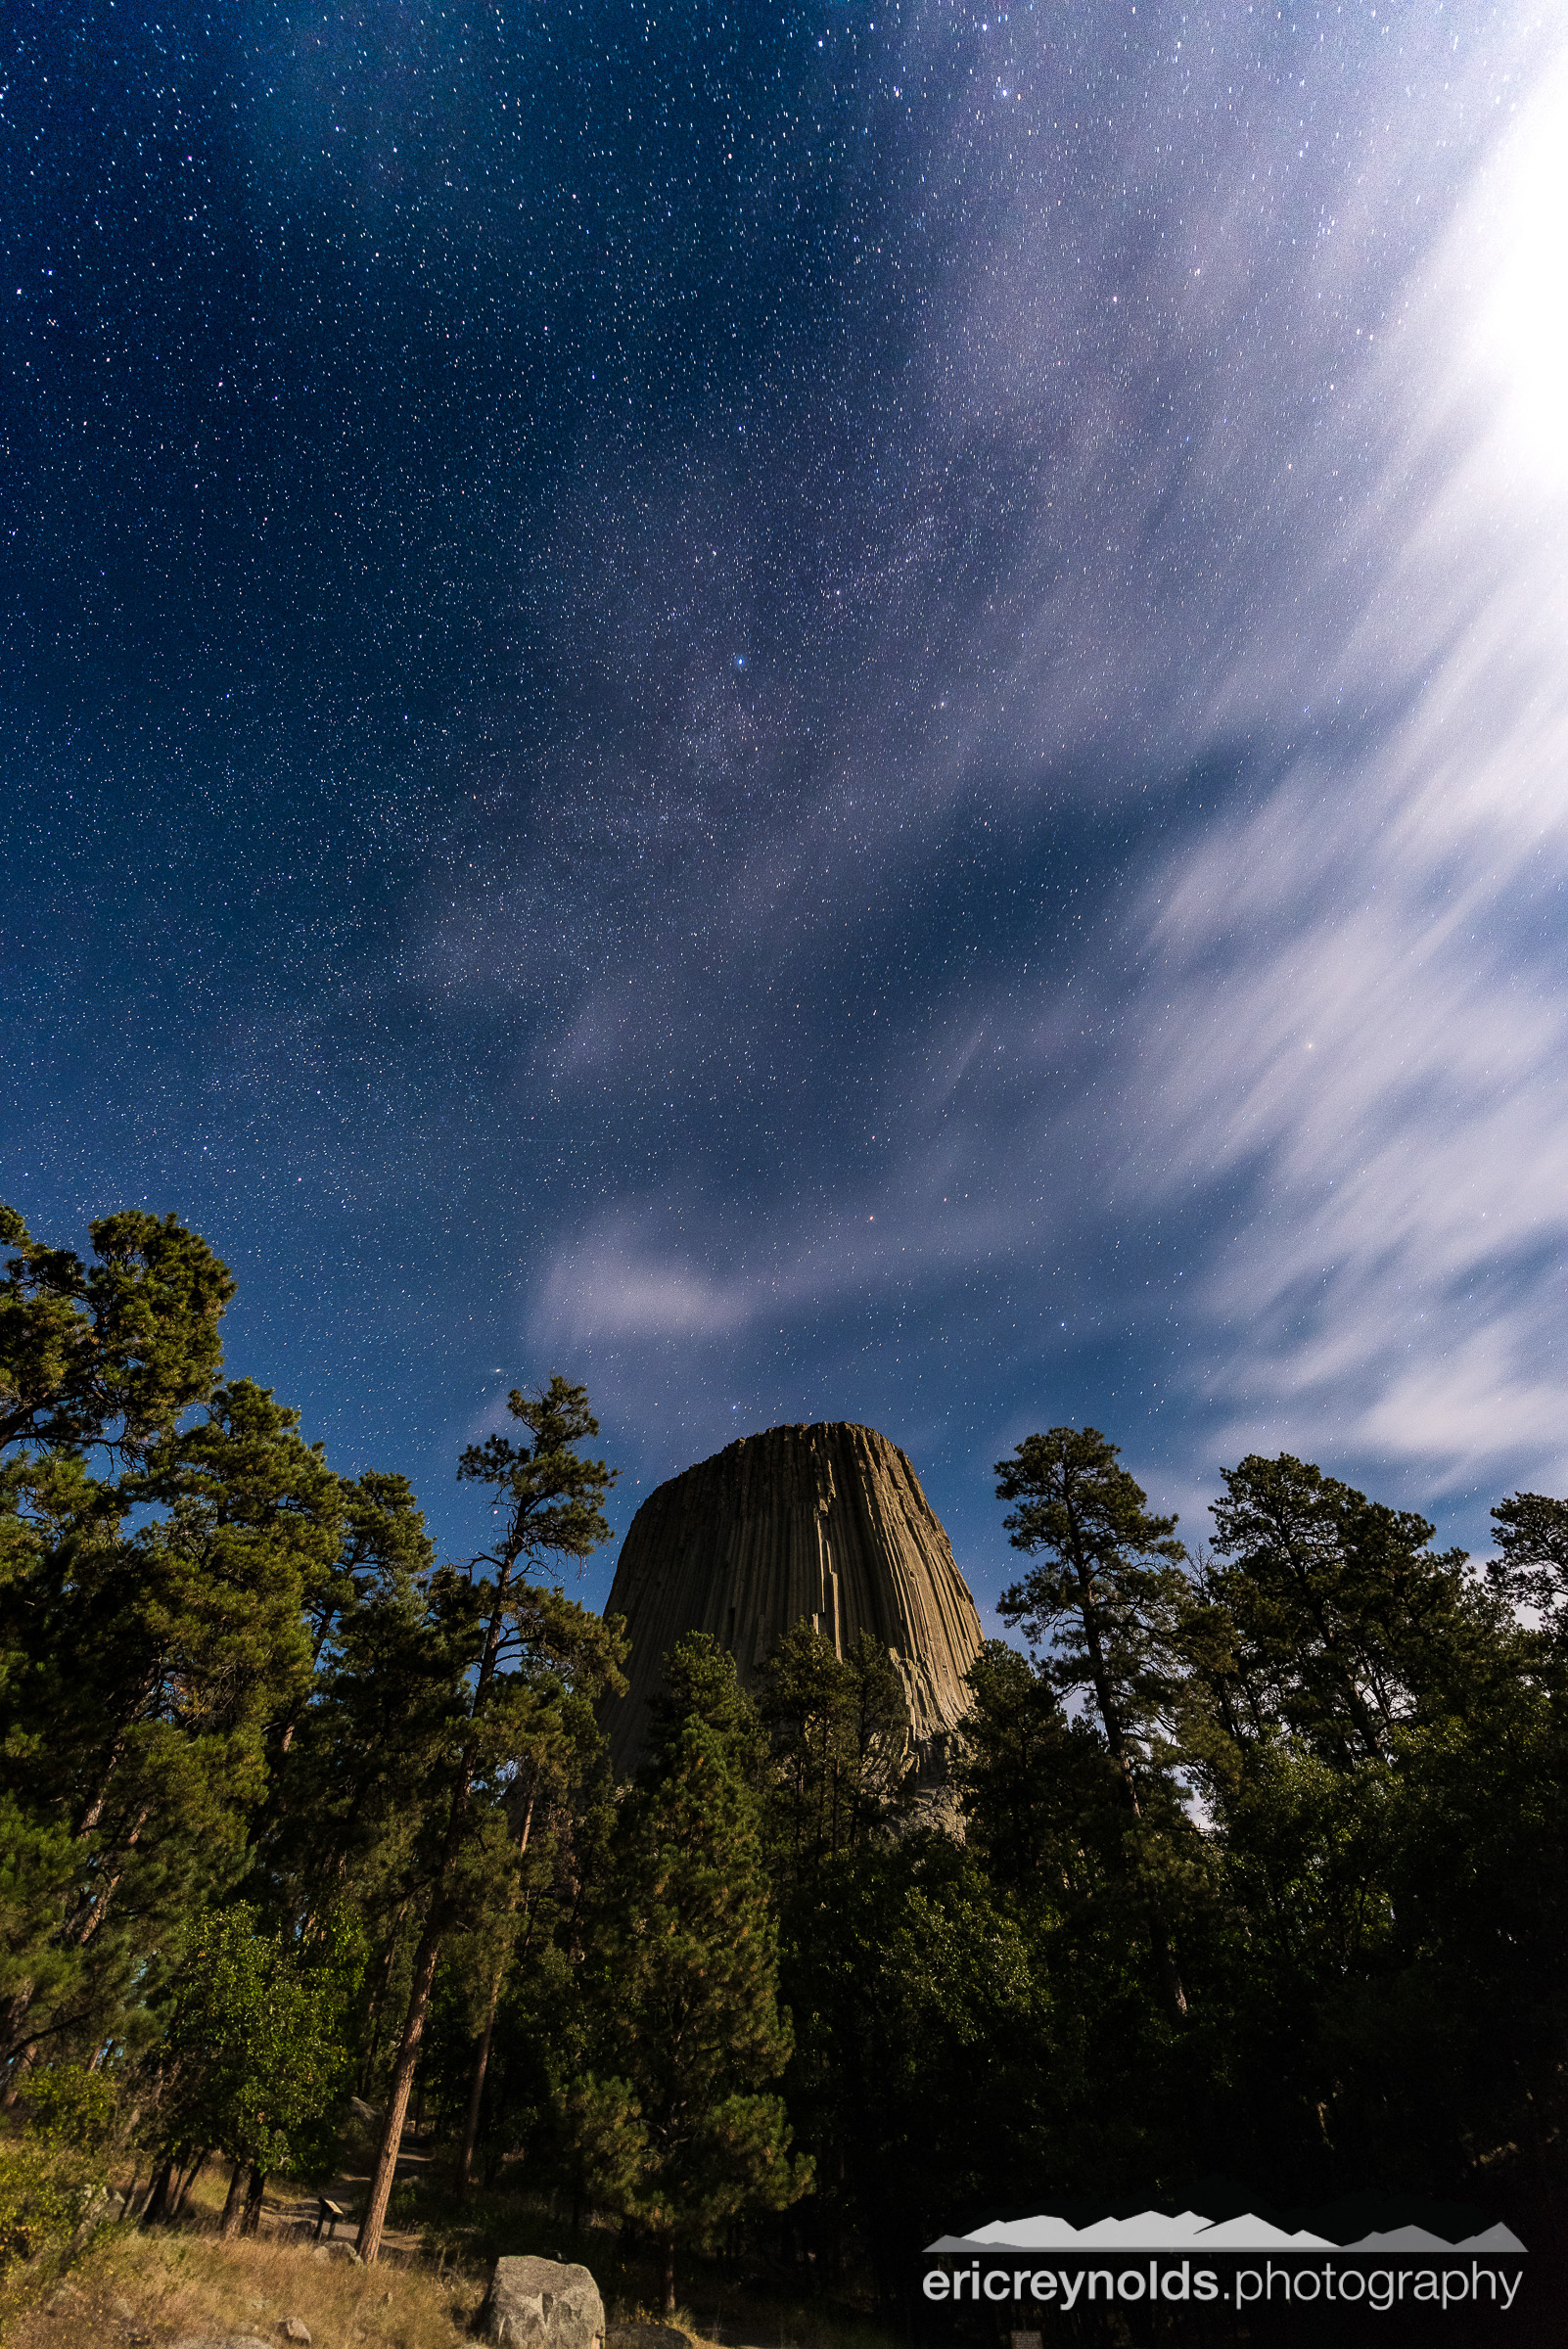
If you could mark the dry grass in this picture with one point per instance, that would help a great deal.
(148, 2289)
(131, 2290)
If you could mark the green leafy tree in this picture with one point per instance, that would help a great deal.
(1369, 1721)
(959, 2050)
(1106, 1598)
(254, 2058)
(680, 2135)
(52, 2172)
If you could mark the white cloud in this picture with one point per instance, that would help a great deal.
(1358, 992)
(611, 1286)
(1291, 512)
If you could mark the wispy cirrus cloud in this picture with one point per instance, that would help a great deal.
(1361, 981)
(1233, 505)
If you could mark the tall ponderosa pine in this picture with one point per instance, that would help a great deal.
(1106, 1601)
(361, 1763)
(548, 1499)
(1341, 1621)
(155, 1569)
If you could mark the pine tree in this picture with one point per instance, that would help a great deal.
(155, 1635)
(680, 2135)
(108, 1355)
(1341, 1621)
(699, 1681)
(1106, 1599)
(526, 1645)
(838, 1735)
(1531, 1568)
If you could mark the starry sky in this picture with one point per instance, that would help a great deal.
(815, 712)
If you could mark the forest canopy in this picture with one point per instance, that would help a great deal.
(1253, 1863)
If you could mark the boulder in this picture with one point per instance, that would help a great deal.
(541, 2304)
(294, 2328)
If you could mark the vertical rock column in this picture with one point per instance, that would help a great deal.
(825, 1523)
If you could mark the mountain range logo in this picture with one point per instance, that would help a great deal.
(1156, 2230)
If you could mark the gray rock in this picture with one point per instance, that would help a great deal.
(541, 2304)
(294, 2328)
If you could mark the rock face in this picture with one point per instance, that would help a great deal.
(542, 2304)
(824, 1522)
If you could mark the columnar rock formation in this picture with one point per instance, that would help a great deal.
(825, 1522)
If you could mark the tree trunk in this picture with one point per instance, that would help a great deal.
(378, 2002)
(76, 1932)
(100, 1795)
(13, 2015)
(402, 2080)
(667, 2255)
(91, 1912)
(429, 1948)
(254, 2192)
(230, 2222)
(156, 2208)
(177, 2207)
(475, 2091)
(319, 1642)
(1172, 1987)
(19, 2069)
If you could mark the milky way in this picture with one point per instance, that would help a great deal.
(817, 713)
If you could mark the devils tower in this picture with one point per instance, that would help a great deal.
(824, 1522)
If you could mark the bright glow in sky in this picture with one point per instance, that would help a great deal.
(1515, 300)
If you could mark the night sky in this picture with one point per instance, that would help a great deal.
(817, 712)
